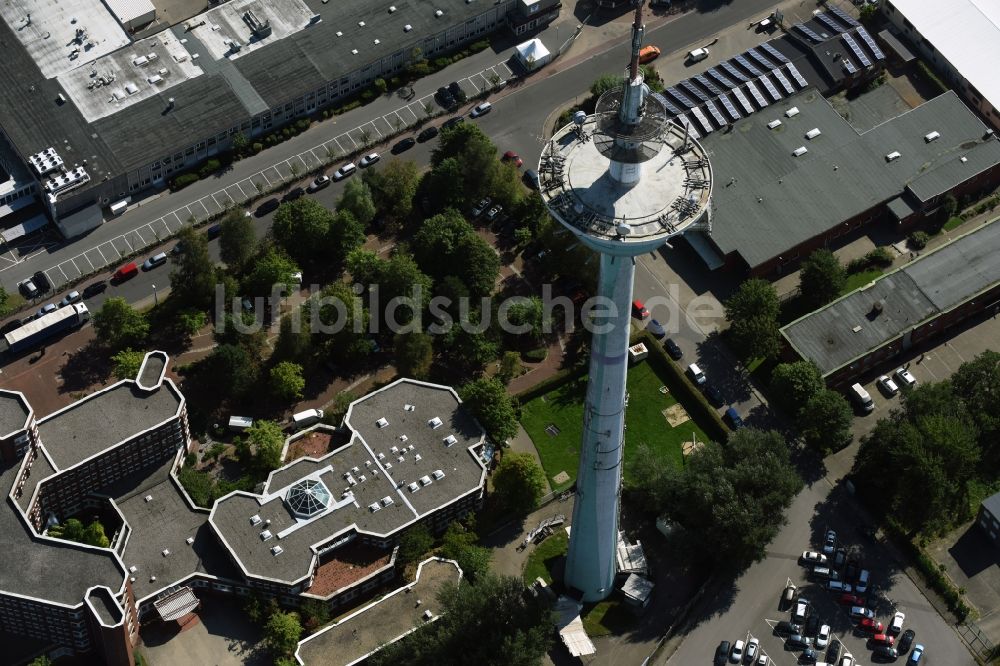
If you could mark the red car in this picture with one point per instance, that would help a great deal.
(871, 625)
(883, 639)
(851, 600)
(639, 310)
(511, 156)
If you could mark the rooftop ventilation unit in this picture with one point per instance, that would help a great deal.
(255, 519)
(410, 447)
(394, 449)
(148, 498)
(813, 133)
(409, 408)
(407, 27)
(403, 438)
(66, 181)
(435, 423)
(413, 487)
(354, 51)
(362, 478)
(800, 151)
(439, 13)
(387, 501)
(438, 474)
(417, 458)
(374, 506)
(376, 42)
(774, 123)
(361, 24)
(400, 459)
(46, 161)
(189, 540)
(133, 569)
(450, 440)
(425, 480)
(388, 465)
(792, 112)
(382, 422)
(894, 155)
(340, 34)
(265, 535)
(355, 469)
(152, 579)
(368, 463)
(392, 8)
(381, 456)
(165, 552)
(277, 550)
(932, 136)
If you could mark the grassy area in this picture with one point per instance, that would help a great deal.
(607, 618)
(544, 556)
(645, 423)
(953, 223)
(860, 279)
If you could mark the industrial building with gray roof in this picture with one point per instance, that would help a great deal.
(778, 189)
(900, 308)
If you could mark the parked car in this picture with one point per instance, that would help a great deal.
(787, 628)
(94, 289)
(28, 288)
(427, 134)
(801, 611)
(639, 310)
(41, 281)
(906, 378)
(884, 653)
(530, 179)
(830, 542)
(883, 639)
(511, 156)
(266, 207)
(835, 585)
(812, 625)
(862, 584)
(697, 55)
(293, 194)
(369, 159)
(851, 600)
(481, 109)
(797, 641)
(851, 570)
(156, 260)
(808, 656)
(714, 395)
(673, 350)
(732, 418)
(403, 145)
(812, 557)
(870, 624)
(457, 92)
(320, 182)
(896, 625)
(736, 655)
(494, 212)
(71, 297)
(906, 640)
(753, 648)
(648, 53)
(345, 171)
(453, 122)
(696, 375)
(129, 270)
(833, 652)
(858, 612)
(481, 207)
(47, 308)
(848, 660)
(916, 655)
(722, 653)
(444, 98)
(823, 636)
(656, 328)
(788, 596)
(887, 386)
(839, 558)
(214, 231)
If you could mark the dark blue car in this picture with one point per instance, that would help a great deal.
(732, 419)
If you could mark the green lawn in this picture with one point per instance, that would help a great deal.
(856, 280)
(645, 423)
(544, 556)
(953, 223)
(607, 618)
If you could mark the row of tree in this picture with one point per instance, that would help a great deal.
(823, 417)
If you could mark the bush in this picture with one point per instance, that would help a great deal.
(880, 257)
(190, 460)
(918, 239)
(536, 355)
(257, 147)
(183, 180)
(209, 167)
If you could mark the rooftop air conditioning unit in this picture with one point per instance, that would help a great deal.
(382, 422)
(932, 136)
(774, 123)
(792, 112)
(438, 474)
(813, 133)
(800, 151)
(277, 550)
(894, 155)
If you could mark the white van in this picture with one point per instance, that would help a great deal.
(862, 397)
(307, 417)
(697, 55)
(697, 376)
(862, 585)
(240, 423)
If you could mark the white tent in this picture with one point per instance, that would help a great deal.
(533, 54)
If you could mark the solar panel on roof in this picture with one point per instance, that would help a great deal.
(742, 99)
(755, 91)
(716, 114)
(730, 109)
(849, 66)
(708, 85)
(828, 21)
(799, 79)
(683, 121)
(702, 120)
(876, 51)
(785, 83)
(680, 97)
(808, 32)
(693, 89)
(745, 64)
(774, 53)
(771, 90)
(726, 83)
(733, 72)
(842, 15)
(858, 53)
(759, 57)
(671, 109)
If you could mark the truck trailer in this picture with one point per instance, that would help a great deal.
(39, 330)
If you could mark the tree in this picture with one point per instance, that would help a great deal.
(346, 235)
(301, 227)
(529, 314)
(459, 543)
(266, 441)
(447, 244)
(605, 83)
(4, 302)
(315, 614)
(192, 279)
(270, 269)
(752, 313)
(74, 530)
(794, 384)
(191, 321)
(343, 324)
(286, 381)
(126, 363)
(821, 278)
(293, 343)
(495, 621)
(519, 483)
(825, 422)
(95, 536)
(977, 383)
(232, 369)
(393, 188)
(487, 399)
(414, 354)
(119, 325)
(510, 366)
(468, 348)
(729, 499)
(240, 142)
(480, 265)
(443, 184)
(237, 240)
(401, 277)
(415, 543)
(41, 661)
(282, 633)
(357, 200)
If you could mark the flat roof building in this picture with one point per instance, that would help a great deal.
(858, 333)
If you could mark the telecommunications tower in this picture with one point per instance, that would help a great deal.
(624, 180)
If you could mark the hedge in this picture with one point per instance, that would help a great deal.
(553, 382)
(693, 400)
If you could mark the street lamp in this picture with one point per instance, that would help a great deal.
(156, 301)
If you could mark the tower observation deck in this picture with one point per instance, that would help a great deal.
(624, 180)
